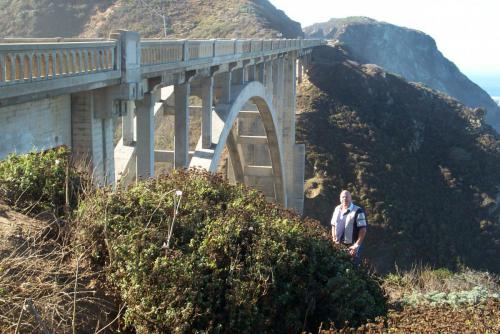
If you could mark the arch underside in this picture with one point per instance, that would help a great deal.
(224, 135)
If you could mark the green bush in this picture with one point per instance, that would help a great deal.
(36, 182)
(235, 263)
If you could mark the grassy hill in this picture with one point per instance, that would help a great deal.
(184, 18)
(426, 168)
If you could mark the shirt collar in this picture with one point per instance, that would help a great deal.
(350, 208)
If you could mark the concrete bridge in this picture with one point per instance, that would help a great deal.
(127, 106)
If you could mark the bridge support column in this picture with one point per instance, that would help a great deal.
(268, 77)
(92, 135)
(223, 81)
(278, 92)
(259, 72)
(181, 141)
(238, 76)
(145, 137)
(299, 70)
(128, 125)
(207, 89)
(251, 73)
(294, 154)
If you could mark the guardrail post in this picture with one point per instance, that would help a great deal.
(185, 51)
(129, 56)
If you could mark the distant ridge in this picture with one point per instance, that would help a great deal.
(407, 52)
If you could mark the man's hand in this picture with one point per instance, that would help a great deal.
(353, 249)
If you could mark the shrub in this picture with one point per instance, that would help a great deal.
(235, 263)
(36, 182)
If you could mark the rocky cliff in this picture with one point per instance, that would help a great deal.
(183, 18)
(409, 53)
(425, 167)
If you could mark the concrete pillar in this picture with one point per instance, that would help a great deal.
(278, 92)
(108, 131)
(299, 170)
(259, 72)
(288, 99)
(288, 130)
(237, 76)
(181, 141)
(128, 124)
(299, 70)
(207, 89)
(92, 135)
(223, 80)
(145, 137)
(270, 74)
(250, 70)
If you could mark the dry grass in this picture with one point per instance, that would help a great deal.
(421, 280)
(45, 283)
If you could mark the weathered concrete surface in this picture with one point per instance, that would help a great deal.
(36, 125)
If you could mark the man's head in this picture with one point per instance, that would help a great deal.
(345, 198)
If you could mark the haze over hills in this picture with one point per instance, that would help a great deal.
(407, 52)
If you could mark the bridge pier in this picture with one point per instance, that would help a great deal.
(181, 141)
(144, 112)
(92, 134)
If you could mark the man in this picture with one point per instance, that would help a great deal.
(349, 225)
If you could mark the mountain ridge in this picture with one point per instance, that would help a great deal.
(184, 19)
(407, 52)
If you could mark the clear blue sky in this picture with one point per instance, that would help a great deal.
(466, 31)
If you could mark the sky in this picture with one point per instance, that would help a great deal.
(467, 32)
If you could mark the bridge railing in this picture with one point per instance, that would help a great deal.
(38, 66)
(39, 61)
(157, 52)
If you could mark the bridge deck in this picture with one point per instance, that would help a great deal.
(48, 67)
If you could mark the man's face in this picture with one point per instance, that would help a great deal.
(345, 198)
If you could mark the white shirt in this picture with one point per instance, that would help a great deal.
(340, 222)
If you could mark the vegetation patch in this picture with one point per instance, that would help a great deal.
(225, 261)
(38, 182)
(46, 283)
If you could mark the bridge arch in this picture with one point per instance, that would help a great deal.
(224, 118)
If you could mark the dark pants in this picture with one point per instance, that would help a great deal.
(356, 259)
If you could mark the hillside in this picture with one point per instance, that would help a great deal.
(184, 18)
(409, 53)
(425, 167)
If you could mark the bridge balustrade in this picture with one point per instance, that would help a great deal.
(41, 66)
(155, 52)
(30, 62)
(257, 45)
(267, 45)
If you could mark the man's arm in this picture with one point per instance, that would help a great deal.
(361, 224)
(333, 223)
(361, 237)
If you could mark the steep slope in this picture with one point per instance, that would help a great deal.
(426, 168)
(407, 52)
(183, 18)
(47, 18)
